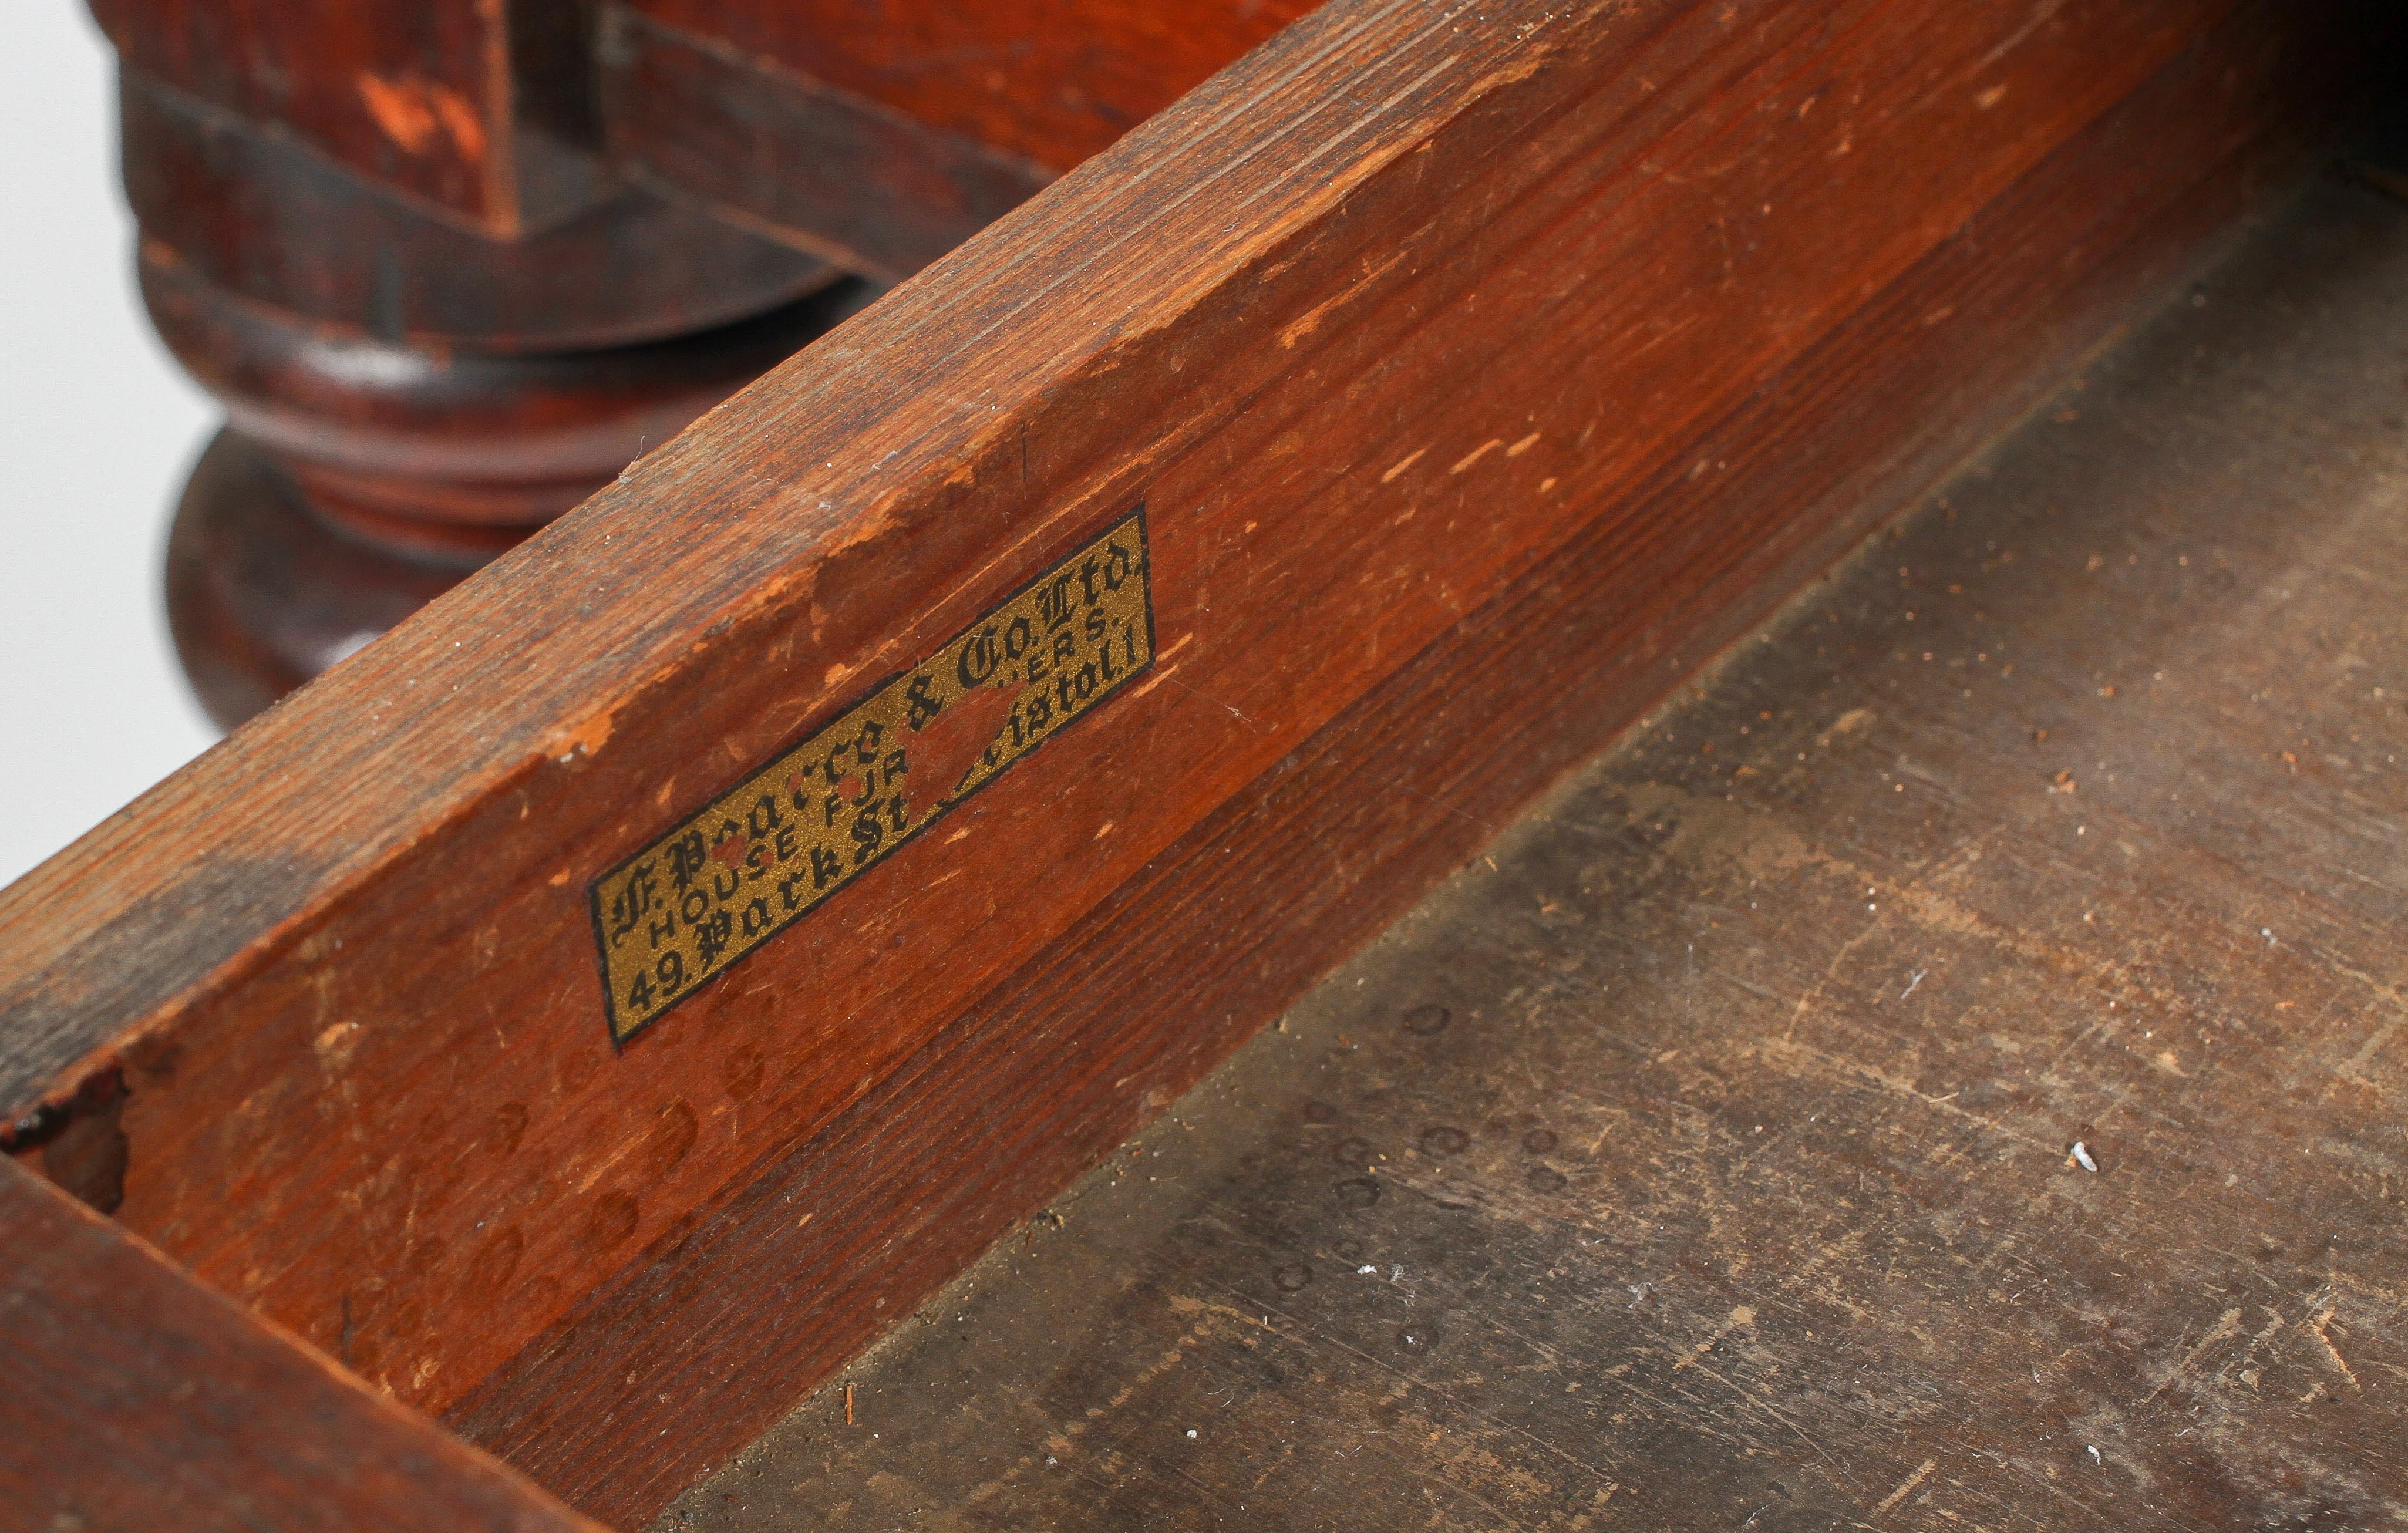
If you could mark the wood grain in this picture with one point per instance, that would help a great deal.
(1699, 1156)
(474, 112)
(422, 440)
(843, 177)
(138, 1400)
(267, 221)
(1375, 325)
(1048, 83)
(434, 390)
(1314, 857)
(242, 546)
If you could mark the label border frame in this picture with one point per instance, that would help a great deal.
(619, 1040)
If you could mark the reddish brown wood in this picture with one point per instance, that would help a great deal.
(263, 595)
(359, 478)
(423, 444)
(138, 1399)
(1652, 1173)
(249, 212)
(1098, 1032)
(435, 391)
(478, 112)
(1377, 324)
(836, 174)
(1049, 84)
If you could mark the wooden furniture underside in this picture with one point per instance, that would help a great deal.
(1454, 381)
(451, 264)
(1699, 1156)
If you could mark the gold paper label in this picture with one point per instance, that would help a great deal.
(770, 850)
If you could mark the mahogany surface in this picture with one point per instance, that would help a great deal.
(445, 446)
(1701, 1154)
(139, 1400)
(263, 595)
(358, 479)
(881, 136)
(385, 237)
(270, 225)
(1406, 331)
(477, 113)
(1051, 82)
(797, 159)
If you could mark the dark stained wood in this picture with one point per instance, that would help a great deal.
(423, 443)
(261, 595)
(432, 390)
(359, 477)
(267, 222)
(1376, 326)
(476, 111)
(837, 175)
(1048, 83)
(138, 1400)
(1700, 1156)
(384, 235)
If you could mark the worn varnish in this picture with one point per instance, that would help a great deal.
(812, 164)
(1048, 84)
(881, 136)
(1413, 336)
(1225, 926)
(138, 1399)
(1701, 1154)
(477, 112)
(384, 237)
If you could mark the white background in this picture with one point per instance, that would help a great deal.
(100, 428)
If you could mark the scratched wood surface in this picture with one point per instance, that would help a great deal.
(1056, 1065)
(881, 135)
(136, 1400)
(321, 1016)
(1701, 1154)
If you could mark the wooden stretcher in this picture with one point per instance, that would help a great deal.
(514, 1071)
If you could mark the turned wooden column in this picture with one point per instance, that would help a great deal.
(433, 316)
(452, 263)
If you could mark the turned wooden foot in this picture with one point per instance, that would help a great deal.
(408, 396)
(451, 264)
(261, 595)
(357, 480)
